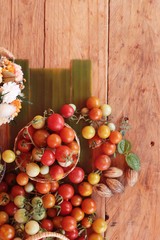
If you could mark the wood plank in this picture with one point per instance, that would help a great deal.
(5, 27)
(27, 31)
(134, 91)
(98, 46)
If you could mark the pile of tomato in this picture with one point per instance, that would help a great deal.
(47, 148)
(28, 207)
(49, 191)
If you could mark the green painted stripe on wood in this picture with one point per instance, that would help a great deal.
(81, 90)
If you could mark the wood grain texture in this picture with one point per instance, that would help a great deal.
(134, 92)
(27, 30)
(77, 29)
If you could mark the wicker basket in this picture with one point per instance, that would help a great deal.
(47, 234)
(45, 178)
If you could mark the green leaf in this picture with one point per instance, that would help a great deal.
(124, 146)
(133, 161)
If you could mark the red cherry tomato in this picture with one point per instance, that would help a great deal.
(43, 188)
(77, 213)
(76, 200)
(88, 206)
(115, 137)
(66, 191)
(67, 135)
(47, 224)
(10, 179)
(27, 132)
(93, 102)
(74, 147)
(69, 223)
(55, 122)
(63, 153)
(10, 209)
(17, 190)
(102, 162)
(95, 142)
(66, 208)
(72, 234)
(48, 157)
(40, 137)
(56, 172)
(77, 175)
(7, 232)
(85, 189)
(54, 140)
(3, 187)
(108, 148)
(95, 114)
(54, 186)
(67, 111)
(24, 145)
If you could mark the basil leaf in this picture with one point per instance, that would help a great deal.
(124, 146)
(133, 161)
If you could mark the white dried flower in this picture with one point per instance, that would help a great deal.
(10, 91)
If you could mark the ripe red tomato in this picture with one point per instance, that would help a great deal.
(115, 137)
(69, 223)
(95, 142)
(95, 114)
(54, 140)
(24, 145)
(22, 178)
(72, 234)
(47, 224)
(3, 186)
(55, 122)
(77, 213)
(63, 154)
(108, 148)
(67, 111)
(40, 137)
(77, 175)
(85, 189)
(76, 200)
(4, 217)
(87, 222)
(66, 191)
(7, 232)
(57, 222)
(10, 209)
(49, 200)
(102, 162)
(51, 212)
(66, 208)
(54, 186)
(74, 147)
(10, 179)
(88, 206)
(67, 135)
(93, 102)
(17, 190)
(95, 236)
(48, 157)
(43, 188)
(56, 172)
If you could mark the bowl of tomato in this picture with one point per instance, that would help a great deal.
(47, 148)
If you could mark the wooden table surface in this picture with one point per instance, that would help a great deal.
(122, 40)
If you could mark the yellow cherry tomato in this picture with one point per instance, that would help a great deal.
(88, 132)
(93, 178)
(8, 156)
(99, 225)
(104, 131)
(38, 122)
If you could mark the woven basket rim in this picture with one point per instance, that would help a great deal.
(47, 234)
(41, 179)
